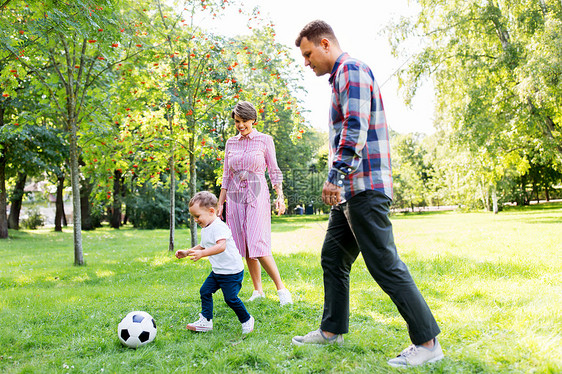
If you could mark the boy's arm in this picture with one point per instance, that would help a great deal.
(184, 253)
(196, 254)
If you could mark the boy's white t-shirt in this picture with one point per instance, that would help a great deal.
(228, 261)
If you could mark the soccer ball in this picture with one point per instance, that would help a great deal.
(136, 329)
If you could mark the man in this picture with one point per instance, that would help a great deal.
(359, 189)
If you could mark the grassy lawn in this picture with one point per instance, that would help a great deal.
(492, 281)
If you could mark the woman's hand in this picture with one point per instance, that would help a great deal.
(222, 199)
(280, 205)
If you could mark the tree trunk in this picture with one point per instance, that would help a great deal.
(192, 188)
(171, 245)
(64, 221)
(16, 202)
(75, 182)
(59, 204)
(3, 203)
(521, 194)
(115, 221)
(127, 206)
(85, 209)
(484, 195)
(495, 200)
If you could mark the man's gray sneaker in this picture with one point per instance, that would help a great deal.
(317, 337)
(416, 355)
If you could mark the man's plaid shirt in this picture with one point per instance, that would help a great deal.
(359, 138)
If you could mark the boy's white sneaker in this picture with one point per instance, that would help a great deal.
(248, 326)
(256, 295)
(416, 355)
(201, 325)
(285, 296)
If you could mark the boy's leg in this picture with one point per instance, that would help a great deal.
(209, 287)
(339, 251)
(367, 213)
(230, 285)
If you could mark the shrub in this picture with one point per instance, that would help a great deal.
(149, 207)
(33, 220)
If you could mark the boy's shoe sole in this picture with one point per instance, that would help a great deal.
(198, 328)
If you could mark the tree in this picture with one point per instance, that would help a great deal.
(411, 172)
(483, 57)
(67, 47)
(192, 78)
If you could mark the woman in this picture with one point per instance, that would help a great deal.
(245, 190)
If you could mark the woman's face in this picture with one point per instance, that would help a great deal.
(244, 127)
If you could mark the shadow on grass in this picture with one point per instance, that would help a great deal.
(299, 218)
(537, 207)
(38, 234)
(288, 224)
(550, 220)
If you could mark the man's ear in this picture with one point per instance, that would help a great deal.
(325, 44)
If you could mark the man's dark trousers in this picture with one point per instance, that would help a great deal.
(361, 224)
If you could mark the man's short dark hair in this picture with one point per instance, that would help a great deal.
(315, 31)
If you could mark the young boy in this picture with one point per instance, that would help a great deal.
(227, 267)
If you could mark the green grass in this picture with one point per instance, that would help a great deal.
(492, 281)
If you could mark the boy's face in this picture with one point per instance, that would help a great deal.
(203, 216)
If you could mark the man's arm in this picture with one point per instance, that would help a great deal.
(354, 88)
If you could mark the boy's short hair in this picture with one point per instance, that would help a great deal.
(315, 31)
(245, 110)
(204, 199)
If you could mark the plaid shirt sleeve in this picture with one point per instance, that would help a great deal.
(351, 110)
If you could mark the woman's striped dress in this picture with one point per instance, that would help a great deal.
(248, 206)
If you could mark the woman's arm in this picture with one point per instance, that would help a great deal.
(222, 199)
(226, 177)
(275, 175)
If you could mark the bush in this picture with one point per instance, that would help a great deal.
(149, 207)
(33, 220)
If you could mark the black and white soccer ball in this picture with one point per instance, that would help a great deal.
(136, 329)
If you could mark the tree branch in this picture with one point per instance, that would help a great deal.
(84, 88)
(51, 92)
(549, 125)
(82, 61)
(5, 4)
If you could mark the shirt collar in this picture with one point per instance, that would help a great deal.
(344, 56)
(251, 135)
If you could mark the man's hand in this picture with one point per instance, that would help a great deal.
(331, 194)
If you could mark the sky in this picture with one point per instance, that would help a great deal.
(358, 28)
